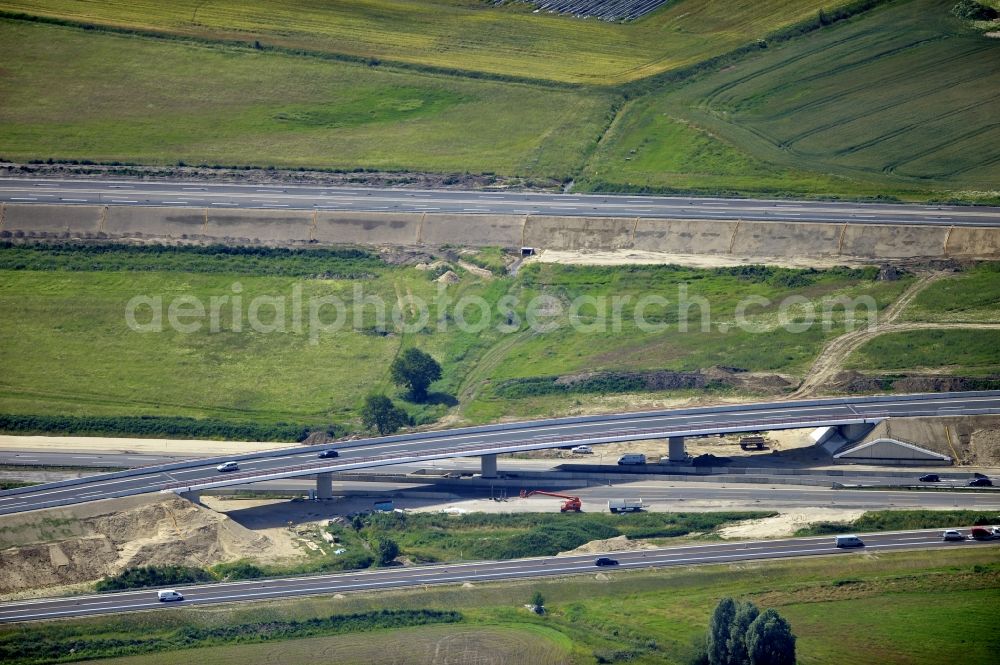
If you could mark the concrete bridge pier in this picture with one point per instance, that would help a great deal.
(489, 466)
(324, 485)
(675, 449)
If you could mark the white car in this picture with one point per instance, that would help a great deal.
(168, 595)
(582, 450)
(952, 534)
(228, 466)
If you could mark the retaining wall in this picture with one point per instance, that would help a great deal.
(679, 236)
(368, 228)
(601, 233)
(743, 239)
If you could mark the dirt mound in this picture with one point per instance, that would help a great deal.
(616, 544)
(984, 447)
(856, 382)
(77, 544)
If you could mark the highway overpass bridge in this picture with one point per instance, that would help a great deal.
(189, 477)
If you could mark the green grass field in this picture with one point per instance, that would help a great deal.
(909, 608)
(962, 352)
(972, 296)
(891, 103)
(895, 102)
(73, 94)
(466, 35)
(69, 350)
(463, 645)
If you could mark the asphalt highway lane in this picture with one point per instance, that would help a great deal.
(513, 437)
(483, 571)
(293, 197)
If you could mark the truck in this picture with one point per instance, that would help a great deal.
(625, 505)
(631, 459)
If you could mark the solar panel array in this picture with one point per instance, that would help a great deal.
(605, 10)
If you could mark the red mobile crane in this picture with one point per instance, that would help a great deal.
(572, 503)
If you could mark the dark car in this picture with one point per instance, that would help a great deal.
(930, 478)
(329, 453)
(606, 561)
(982, 533)
(981, 482)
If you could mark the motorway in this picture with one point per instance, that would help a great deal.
(483, 571)
(185, 194)
(514, 437)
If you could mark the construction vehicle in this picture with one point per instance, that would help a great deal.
(625, 505)
(752, 443)
(572, 503)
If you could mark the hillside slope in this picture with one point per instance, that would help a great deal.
(898, 100)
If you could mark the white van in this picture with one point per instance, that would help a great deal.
(631, 459)
(849, 541)
(167, 595)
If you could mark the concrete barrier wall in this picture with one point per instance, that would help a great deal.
(786, 239)
(885, 241)
(473, 231)
(154, 222)
(266, 226)
(368, 228)
(58, 219)
(603, 233)
(750, 240)
(678, 236)
(967, 242)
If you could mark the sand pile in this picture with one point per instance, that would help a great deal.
(75, 544)
(616, 544)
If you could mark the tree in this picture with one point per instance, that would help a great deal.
(718, 632)
(538, 600)
(387, 551)
(770, 641)
(746, 613)
(416, 370)
(970, 10)
(381, 414)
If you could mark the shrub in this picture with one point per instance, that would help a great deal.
(172, 427)
(970, 10)
(151, 576)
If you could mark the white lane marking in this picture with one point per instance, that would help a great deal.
(516, 571)
(176, 202)
(74, 200)
(744, 546)
(742, 415)
(23, 198)
(224, 204)
(122, 201)
(103, 483)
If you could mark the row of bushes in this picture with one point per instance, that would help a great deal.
(512, 536)
(151, 576)
(903, 520)
(325, 262)
(40, 644)
(152, 426)
(606, 383)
